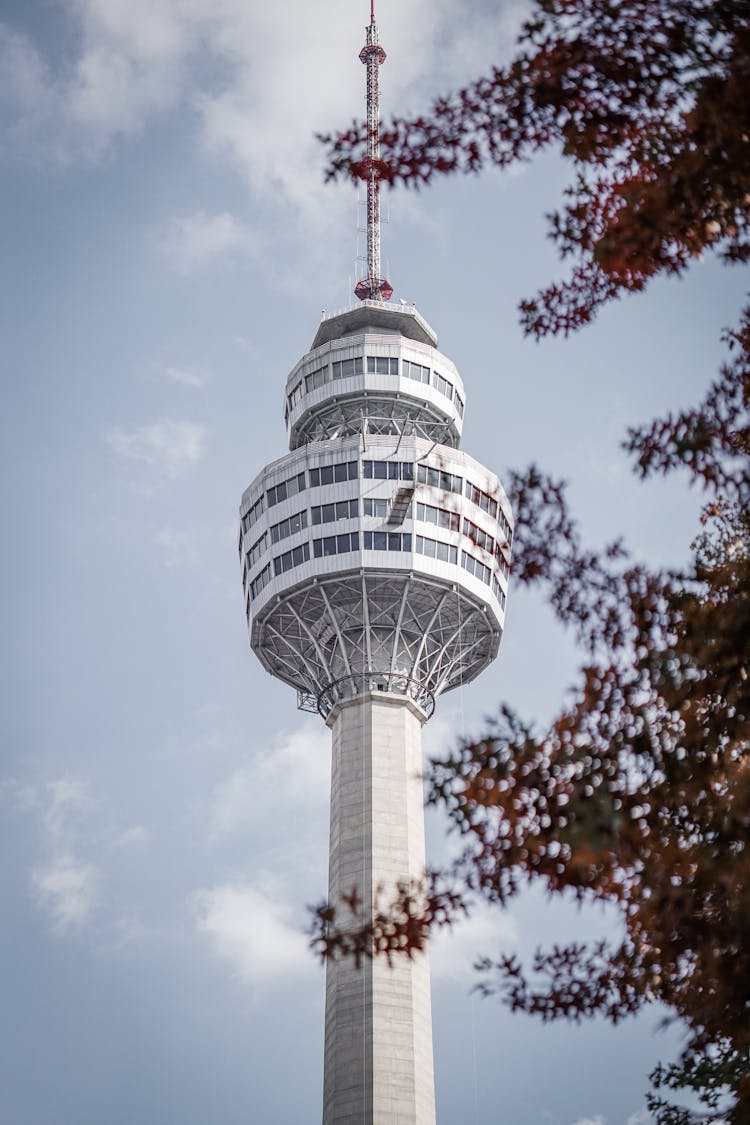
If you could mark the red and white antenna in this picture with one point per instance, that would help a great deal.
(373, 287)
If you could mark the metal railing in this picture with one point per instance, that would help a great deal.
(362, 683)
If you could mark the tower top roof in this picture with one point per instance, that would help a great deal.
(403, 320)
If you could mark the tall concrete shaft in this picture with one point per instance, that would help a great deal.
(378, 1040)
(375, 559)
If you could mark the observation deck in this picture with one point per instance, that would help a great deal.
(376, 553)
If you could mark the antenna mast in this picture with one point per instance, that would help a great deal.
(373, 287)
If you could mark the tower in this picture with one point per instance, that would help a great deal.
(375, 560)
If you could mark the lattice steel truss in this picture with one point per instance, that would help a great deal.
(376, 414)
(373, 287)
(326, 638)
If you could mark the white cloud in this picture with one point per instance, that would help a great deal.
(66, 888)
(66, 796)
(63, 884)
(187, 377)
(259, 79)
(643, 1117)
(169, 447)
(199, 239)
(253, 933)
(597, 1120)
(454, 951)
(24, 79)
(294, 774)
(136, 836)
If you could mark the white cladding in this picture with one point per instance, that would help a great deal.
(378, 1037)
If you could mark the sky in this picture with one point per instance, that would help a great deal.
(168, 246)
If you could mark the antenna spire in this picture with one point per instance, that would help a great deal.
(373, 287)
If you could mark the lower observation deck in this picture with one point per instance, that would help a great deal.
(375, 568)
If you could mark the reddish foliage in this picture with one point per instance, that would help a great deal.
(638, 795)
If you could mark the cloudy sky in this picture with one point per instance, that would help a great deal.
(168, 245)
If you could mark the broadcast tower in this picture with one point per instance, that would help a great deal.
(375, 560)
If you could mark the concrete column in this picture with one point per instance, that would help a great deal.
(378, 1037)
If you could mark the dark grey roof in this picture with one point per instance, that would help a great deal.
(403, 320)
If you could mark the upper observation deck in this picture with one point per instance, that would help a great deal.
(374, 369)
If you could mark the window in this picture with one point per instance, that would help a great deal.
(253, 512)
(286, 489)
(416, 371)
(505, 526)
(256, 550)
(436, 478)
(439, 516)
(435, 549)
(327, 474)
(498, 591)
(336, 544)
(316, 379)
(382, 365)
(343, 368)
(479, 537)
(459, 404)
(502, 563)
(475, 567)
(289, 526)
(292, 558)
(377, 508)
(341, 510)
(442, 385)
(262, 580)
(386, 541)
(482, 499)
(294, 396)
(388, 470)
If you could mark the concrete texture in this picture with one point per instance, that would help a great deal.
(378, 1038)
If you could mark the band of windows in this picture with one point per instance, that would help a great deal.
(377, 541)
(251, 515)
(382, 365)
(435, 549)
(294, 396)
(475, 567)
(343, 368)
(336, 544)
(261, 581)
(375, 365)
(333, 474)
(386, 541)
(498, 591)
(292, 558)
(440, 516)
(436, 478)
(257, 550)
(502, 563)
(286, 489)
(289, 526)
(341, 510)
(315, 379)
(388, 470)
(442, 385)
(479, 537)
(377, 507)
(416, 371)
(482, 499)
